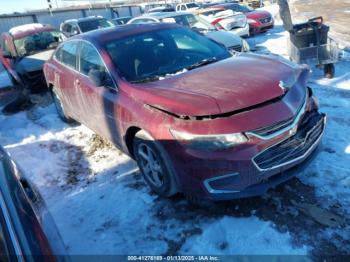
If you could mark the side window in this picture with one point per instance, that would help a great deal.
(68, 53)
(183, 7)
(4, 44)
(67, 28)
(142, 21)
(74, 30)
(90, 59)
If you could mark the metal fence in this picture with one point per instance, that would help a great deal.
(57, 17)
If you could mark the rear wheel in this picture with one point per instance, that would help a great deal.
(59, 107)
(153, 164)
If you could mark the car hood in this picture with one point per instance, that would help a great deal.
(257, 14)
(34, 62)
(232, 84)
(225, 38)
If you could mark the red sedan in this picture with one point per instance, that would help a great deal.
(259, 20)
(195, 118)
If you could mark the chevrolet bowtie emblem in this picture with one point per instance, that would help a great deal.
(293, 131)
(283, 86)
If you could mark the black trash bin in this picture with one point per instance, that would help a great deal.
(311, 33)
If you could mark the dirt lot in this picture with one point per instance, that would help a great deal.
(336, 13)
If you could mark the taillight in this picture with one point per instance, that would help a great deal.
(217, 24)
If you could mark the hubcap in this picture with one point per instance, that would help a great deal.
(150, 165)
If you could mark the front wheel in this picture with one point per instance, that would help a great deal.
(151, 160)
(59, 107)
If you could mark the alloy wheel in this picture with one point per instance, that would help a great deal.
(150, 165)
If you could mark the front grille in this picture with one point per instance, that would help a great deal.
(270, 130)
(235, 48)
(265, 20)
(265, 131)
(296, 146)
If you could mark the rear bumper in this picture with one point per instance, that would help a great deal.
(241, 31)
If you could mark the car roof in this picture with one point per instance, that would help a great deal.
(118, 32)
(121, 17)
(163, 15)
(227, 4)
(82, 19)
(203, 10)
(29, 29)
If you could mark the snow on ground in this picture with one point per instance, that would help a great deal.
(101, 205)
(98, 201)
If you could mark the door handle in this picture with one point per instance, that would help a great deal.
(77, 82)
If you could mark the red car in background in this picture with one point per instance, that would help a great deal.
(196, 119)
(24, 49)
(259, 20)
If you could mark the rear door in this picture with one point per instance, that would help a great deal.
(65, 72)
(99, 102)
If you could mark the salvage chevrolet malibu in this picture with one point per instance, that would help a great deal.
(195, 118)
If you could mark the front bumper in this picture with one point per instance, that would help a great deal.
(279, 171)
(252, 170)
(255, 28)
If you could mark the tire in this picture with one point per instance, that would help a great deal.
(59, 107)
(157, 170)
(329, 71)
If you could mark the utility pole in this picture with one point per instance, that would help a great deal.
(50, 6)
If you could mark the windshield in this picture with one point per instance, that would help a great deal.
(240, 8)
(152, 55)
(37, 42)
(188, 20)
(192, 5)
(89, 25)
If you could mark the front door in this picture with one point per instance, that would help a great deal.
(98, 100)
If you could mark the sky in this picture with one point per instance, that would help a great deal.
(10, 6)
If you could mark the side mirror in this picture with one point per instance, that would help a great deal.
(99, 78)
(96, 77)
(75, 32)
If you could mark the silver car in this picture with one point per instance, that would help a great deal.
(232, 42)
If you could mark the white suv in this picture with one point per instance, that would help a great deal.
(186, 7)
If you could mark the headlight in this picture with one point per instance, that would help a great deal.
(246, 47)
(251, 21)
(209, 142)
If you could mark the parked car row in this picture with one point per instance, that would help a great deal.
(231, 41)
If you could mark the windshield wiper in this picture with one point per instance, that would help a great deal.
(147, 79)
(203, 62)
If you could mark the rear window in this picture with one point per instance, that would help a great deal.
(89, 25)
(192, 5)
(185, 20)
(239, 8)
